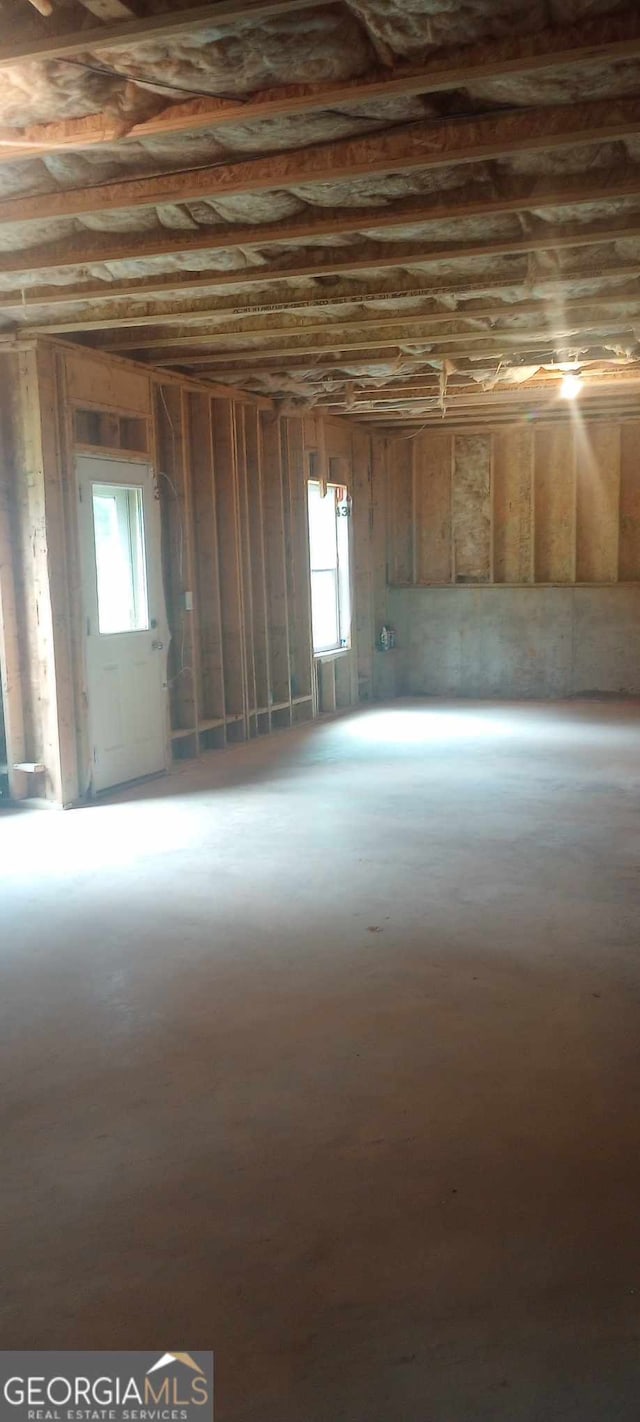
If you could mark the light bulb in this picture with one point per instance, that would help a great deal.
(571, 387)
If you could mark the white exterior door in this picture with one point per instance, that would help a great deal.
(125, 619)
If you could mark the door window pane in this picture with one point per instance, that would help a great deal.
(118, 525)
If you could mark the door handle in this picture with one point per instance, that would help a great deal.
(157, 646)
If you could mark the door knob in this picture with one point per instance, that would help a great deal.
(157, 646)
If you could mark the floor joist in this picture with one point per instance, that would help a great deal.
(489, 312)
(600, 42)
(520, 196)
(154, 27)
(488, 346)
(421, 146)
(227, 310)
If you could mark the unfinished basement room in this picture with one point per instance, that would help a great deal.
(320, 712)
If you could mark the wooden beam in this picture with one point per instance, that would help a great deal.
(506, 396)
(354, 297)
(472, 424)
(386, 257)
(508, 406)
(503, 311)
(485, 348)
(421, 146)
(427, 389)
(600, 41)
(520, 196)
(154, 27)
(11, 657)
(336, 363)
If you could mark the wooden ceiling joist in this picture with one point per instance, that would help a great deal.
(421, 146)
(403, 429)
(387, 258)
(489, 347)
(507, 406)
(558, 310)
(488, 399)
(404, 394)
(164, 25)
(333, 364)
(598, 42)
(225, 310)
(519, 196)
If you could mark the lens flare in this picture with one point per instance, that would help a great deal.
(571, 387)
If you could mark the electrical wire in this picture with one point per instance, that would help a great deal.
(109, 73)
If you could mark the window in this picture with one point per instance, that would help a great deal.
(329, 551)
(118, 524)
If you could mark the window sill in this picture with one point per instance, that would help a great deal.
(332, 655)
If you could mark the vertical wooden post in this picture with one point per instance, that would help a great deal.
(248, 641)
(362, 576)
(298, 569)
(205, 569)
(178, 561)
(256, 546)
(190, 613)
(231, 593)
(10, 661)
(275, 568)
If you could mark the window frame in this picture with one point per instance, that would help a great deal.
(342, 569)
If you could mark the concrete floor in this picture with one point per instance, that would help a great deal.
(325, 1053)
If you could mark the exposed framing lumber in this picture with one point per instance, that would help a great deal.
(155, 27)
(572, 191)
(255, 525)
(597, 42)
(491, 312)
(541, 347)
(11, 699)
(189, 618)
(208, 662)
(428, 400)
(504, 405)
(556, 238)
(387, 425)
(462, 380)
(423, 145)
(356, 296)
(175, 496)
(507, 399)
(245, 560)
(330, 365)
(275, 563)
(157, 376)
(225, 455)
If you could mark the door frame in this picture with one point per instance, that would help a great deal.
(131, 459)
